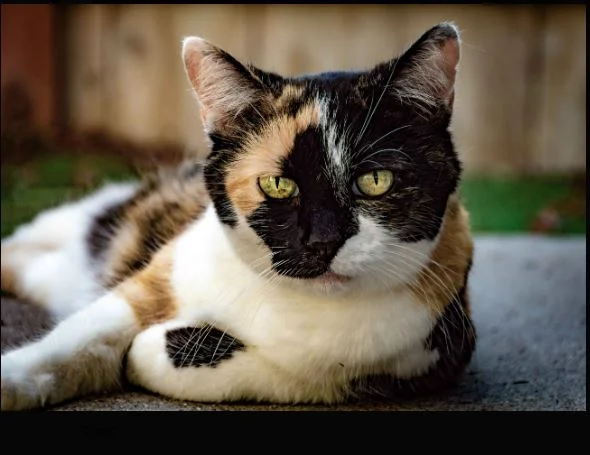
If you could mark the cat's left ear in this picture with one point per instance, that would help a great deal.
(425, 74)
(223, 86)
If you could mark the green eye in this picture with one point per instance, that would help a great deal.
(278, 187)
(375, 183)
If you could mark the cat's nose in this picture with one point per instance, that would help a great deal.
(324, 236)
(325, 251)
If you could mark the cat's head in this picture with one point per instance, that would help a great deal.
(336, 178)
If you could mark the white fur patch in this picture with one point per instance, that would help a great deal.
(50, 255)
(82, 354)
(336, 146)
(377, 260)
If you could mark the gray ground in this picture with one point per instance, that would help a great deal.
(529, 306)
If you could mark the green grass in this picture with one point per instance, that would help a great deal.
(511, 204)
(507, 204)
(51, 181)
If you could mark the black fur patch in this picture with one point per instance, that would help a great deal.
(103, 229)
(386, 133)
(157, 222)
(223, 153)
(105, 225)
(315, 224)
(453, 336)
(200, 346)
(154, 232)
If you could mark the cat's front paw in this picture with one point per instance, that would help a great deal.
(21, 388)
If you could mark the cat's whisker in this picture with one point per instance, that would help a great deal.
(371, 113)
(420, 292)
(372, 144)
(445, 288)
(429, 258)
(424, 295)
(423, 267)
(347, 129)
(398, 151)
(377, 152)
(362, 130)
(270, 277)
(213, 323)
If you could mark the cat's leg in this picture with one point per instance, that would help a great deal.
(84, 353)
(46, 261)
(205, 362)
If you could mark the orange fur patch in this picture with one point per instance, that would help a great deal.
(290, 92)
(262, 156)
(149, 292)
(445, 275)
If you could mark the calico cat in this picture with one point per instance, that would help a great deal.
(320, 254)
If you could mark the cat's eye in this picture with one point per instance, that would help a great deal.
(374, 183)
(278, 187)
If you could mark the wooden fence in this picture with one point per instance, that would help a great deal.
(521, 91)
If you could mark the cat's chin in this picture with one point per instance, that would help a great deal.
(331, 277)
(327, 282)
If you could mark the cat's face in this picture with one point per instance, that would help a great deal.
(335, 180)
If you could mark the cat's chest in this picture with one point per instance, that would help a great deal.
(333, 329)
(310, 333)
(286, 323)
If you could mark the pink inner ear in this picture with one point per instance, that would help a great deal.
(450, 57)
(192, 68)
(194, 51)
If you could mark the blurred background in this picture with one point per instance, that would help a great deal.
(95, 92)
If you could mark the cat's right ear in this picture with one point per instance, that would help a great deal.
(222, 85)
(425, 74)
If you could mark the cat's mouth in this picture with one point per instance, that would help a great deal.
(330, 277)
(317, 274)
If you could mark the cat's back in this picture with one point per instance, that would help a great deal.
(124, 237)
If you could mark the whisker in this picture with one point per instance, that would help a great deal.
(367, 122)
(381, 138)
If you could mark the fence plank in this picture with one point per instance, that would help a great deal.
(85, 71)
(559, 133)
(143, 93)
(137, 101)
(28, 60)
